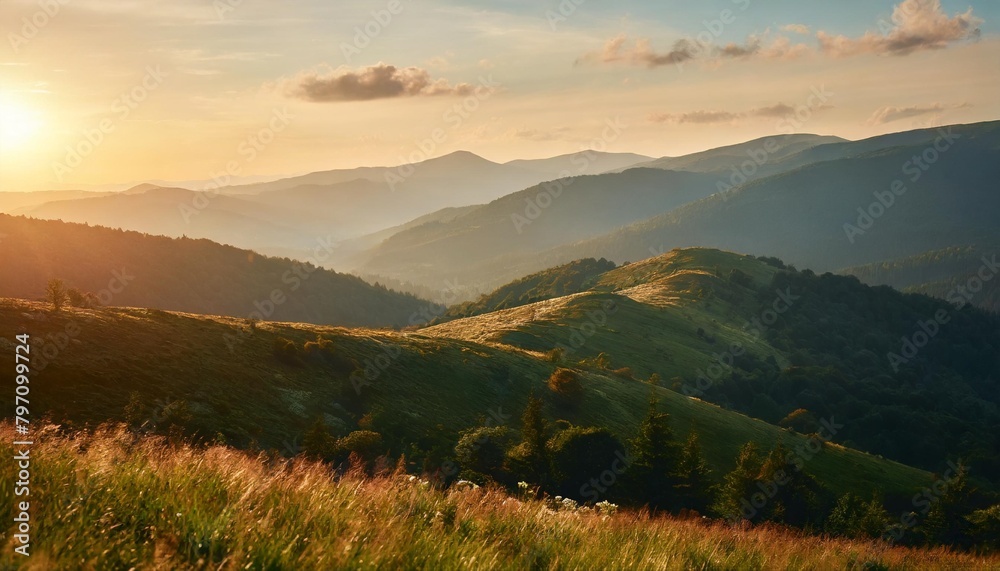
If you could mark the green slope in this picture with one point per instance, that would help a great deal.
(421, 389)
(705, 321)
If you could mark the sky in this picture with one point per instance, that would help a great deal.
(101, 91)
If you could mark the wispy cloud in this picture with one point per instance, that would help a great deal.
(889, 114)
(640, 52)
(778, 110)
(379, 81)
(800, 29)
(916, 25)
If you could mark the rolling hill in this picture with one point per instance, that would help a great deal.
(133, 269)
(754, 336)
(681, 316)
(418, 391)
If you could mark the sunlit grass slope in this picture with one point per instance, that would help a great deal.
(110, 500)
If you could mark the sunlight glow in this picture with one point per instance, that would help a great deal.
(20, 125)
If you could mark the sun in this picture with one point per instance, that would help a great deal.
(20, 125)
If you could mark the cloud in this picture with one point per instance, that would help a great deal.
(763, 47)
(916, 25)
(374, 82)
(530, 134)
(733, 50)
(640, 52)
(696, 117)
(796, 29)
(889, 114)
(778, 110)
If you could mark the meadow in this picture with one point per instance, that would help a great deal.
(109, 499)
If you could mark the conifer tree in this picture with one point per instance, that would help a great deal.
(734, 499)
(653, 473)
(528, 459)
(694, 487)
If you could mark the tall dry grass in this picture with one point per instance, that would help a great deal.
(110, 500)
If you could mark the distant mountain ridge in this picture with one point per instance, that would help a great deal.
(803, 213)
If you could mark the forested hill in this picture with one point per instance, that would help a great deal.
(125, 268)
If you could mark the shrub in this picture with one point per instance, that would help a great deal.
(624, 372)
(484, 449)
(579, 455)
(801, 421)
(566, 383)
(77, 298)
(556, 355)
(286, 351)
(324, 350)
(317, 443)
(740, 278)
(365, 443)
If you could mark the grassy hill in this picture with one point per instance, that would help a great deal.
(418, 389)
(133, 269)
(753, 336)
(570, 278)
(163, 507)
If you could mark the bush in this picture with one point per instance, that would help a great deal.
(77, 298)
(566, 383)
(483, 450)
(286, 351)
(365, 443)
(624, 372)
(801, 421)
(741, 278)
(579, 455)
(317, 443)
(324, 350)
(556, 355)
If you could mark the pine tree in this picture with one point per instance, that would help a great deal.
(318, 443)
(735, 494)
(792, 493)
(655, 459)
(946, 523)
(529, 458)
(694, 487)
